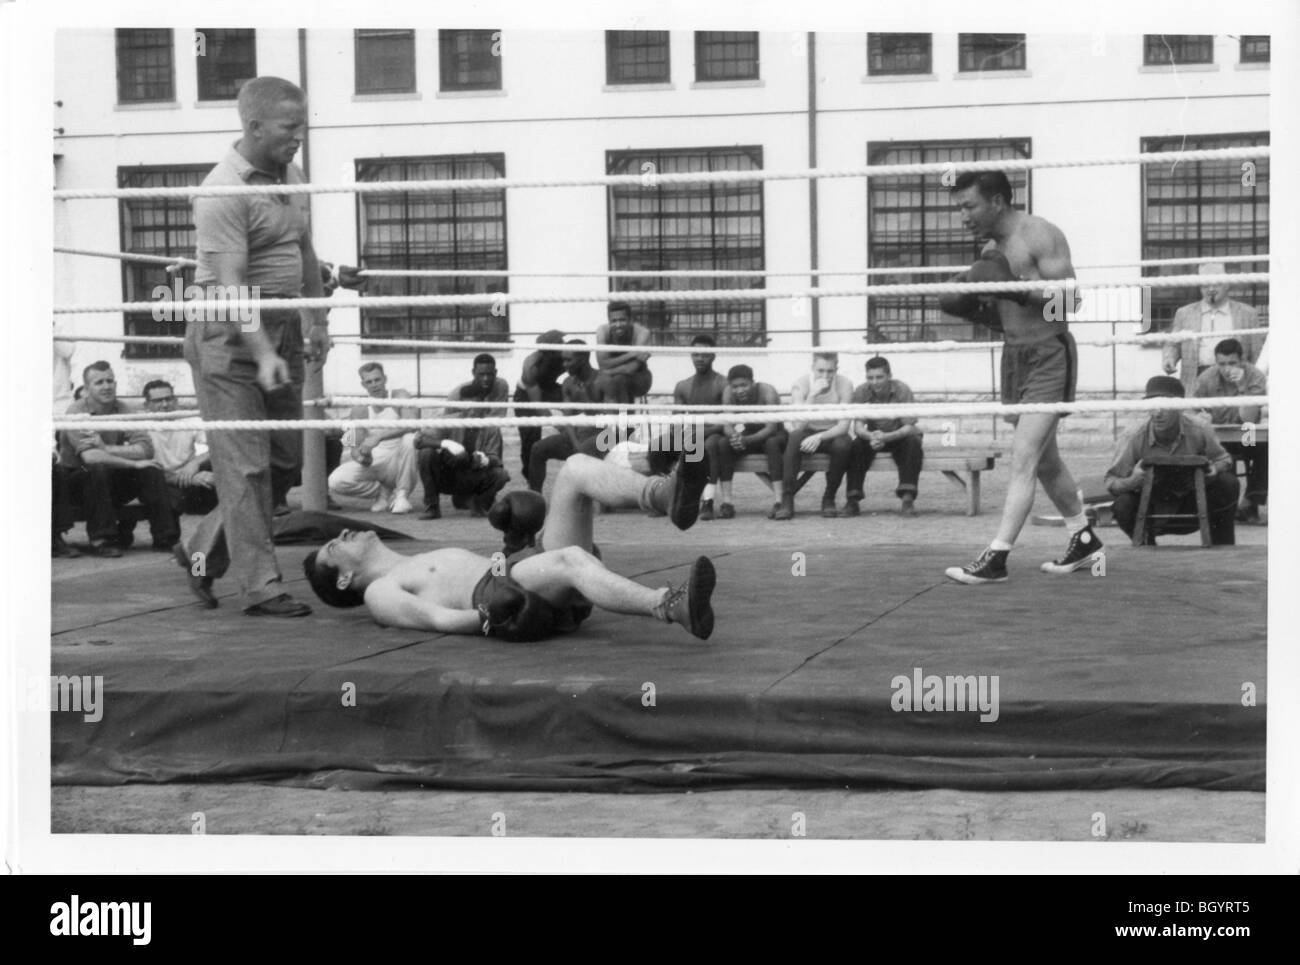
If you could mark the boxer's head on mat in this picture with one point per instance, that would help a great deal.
(333, 569)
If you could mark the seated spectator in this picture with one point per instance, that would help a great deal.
(62, 517)
(1171, 432)
(1215, 312)
(182, 455)
(578, 388)
(465, 463)
(824, 386)
(899, 437)
(1232, 375)
(734, 441)
(538, 382)
(106, 470)
(705, 387)
(624, 376)
(382, 464)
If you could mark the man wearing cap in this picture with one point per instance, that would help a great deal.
(1173, 432)
(1215, 312)
(538, 382)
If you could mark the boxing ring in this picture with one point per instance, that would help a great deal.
(829, 634)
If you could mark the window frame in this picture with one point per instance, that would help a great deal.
(611, 47)
(447, 39)
(968, 49)
(1248, 40)
(909, 329)
(881, 71)
(1184, 42)
(170, 47)
(464, 317)
(373, 33)
(657, 316)
(142, 323)
(1165, 301)
(207, 32)
(701, 45)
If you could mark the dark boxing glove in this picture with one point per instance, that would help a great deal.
(509, 612)
(520, 516)
(970, 306)
(993, 266)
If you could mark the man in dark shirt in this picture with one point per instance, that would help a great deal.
(738, 439)
(1173, 432)
(899, 437)
(1232, 375)
(466, 462)
(581, 386)
(538, 382)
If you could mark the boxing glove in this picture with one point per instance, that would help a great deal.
(509, 612)
(993, 266)
(519, 515)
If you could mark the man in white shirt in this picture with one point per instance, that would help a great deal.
(182, 454)
(1215, 312)
(383, 465)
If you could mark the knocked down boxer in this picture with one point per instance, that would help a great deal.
(538, 591)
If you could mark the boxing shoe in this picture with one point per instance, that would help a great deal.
(1083, 550)
(689, 604)
(989, 567)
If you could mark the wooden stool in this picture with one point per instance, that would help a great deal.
(1197, 464)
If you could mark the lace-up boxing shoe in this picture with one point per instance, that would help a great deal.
(1084, 549)
(989, 567)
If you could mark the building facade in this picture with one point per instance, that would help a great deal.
(156, 107)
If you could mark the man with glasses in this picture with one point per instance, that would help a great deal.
(182, 455)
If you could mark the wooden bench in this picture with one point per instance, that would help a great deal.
(950, 462)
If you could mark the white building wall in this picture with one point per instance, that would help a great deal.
(1080, 96)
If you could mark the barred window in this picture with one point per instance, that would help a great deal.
(636, 57)
(1255, 49)
(912, 223)
(726, 55)
(385, 61)
(991, 52)
(1163, 50)
(226, 59)
(1198, 209)
(449, 230)
(689, 226)
(469, 59)
(155, 226)
(144, 66)
(898, 54)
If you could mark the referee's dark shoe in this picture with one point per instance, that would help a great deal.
(1084, 550)
(989, 567)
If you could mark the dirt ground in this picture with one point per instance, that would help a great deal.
(1173, 815)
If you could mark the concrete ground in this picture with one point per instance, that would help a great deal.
(1139, 814)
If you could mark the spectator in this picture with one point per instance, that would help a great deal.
(466, 463)
(1232, 376)
(106, 470)
(579, 387)
(382, 465)
(538, 382)
(624, 376)
(825, 386)
(1215, 312)
(62, 516)
(190, 485)
(1171, 432)
(768, 438)
(705, 387)
(901, 438)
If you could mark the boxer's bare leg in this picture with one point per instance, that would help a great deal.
(1033, 434)
(1057, 481)
(557, 574)
(582, 479)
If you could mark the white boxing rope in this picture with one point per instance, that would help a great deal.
(1156, 338)
(218, 305)
(737, 414)
(654, 179)
(187, 262)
